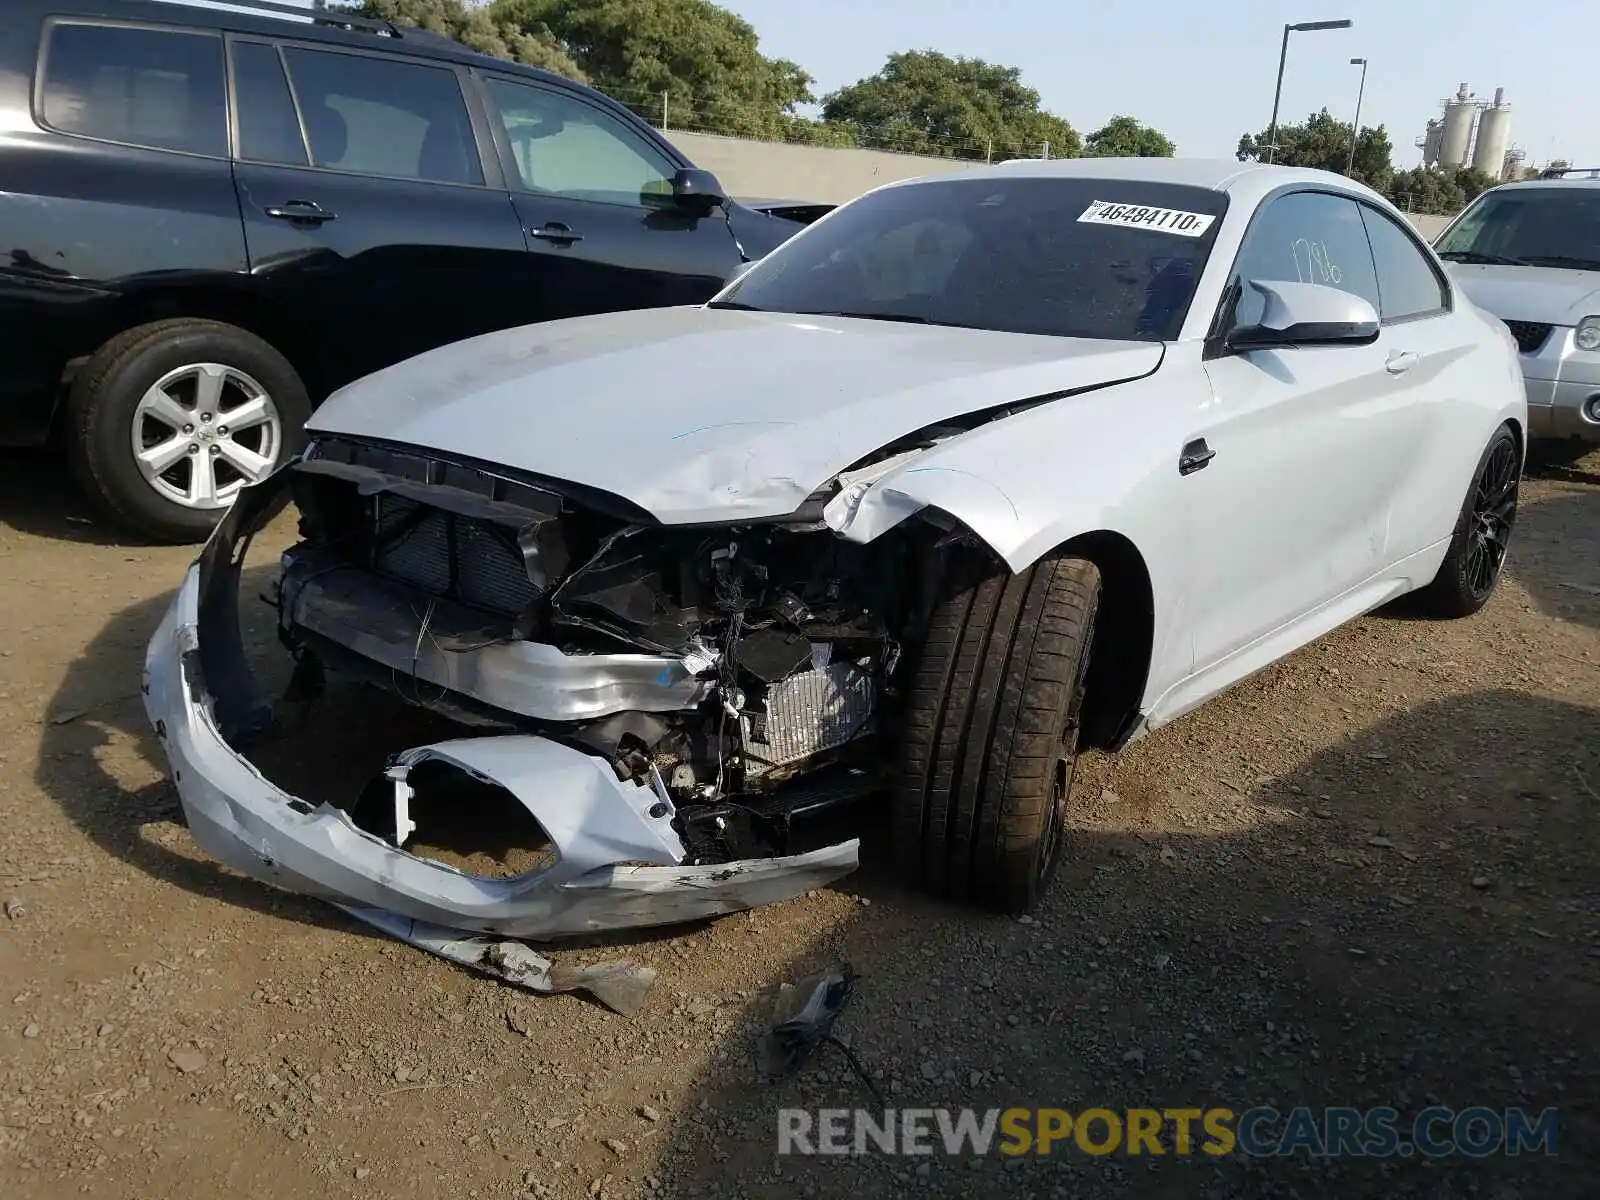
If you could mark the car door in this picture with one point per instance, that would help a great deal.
(117, 179)
(1290, 511)
(595, 199)
(372, 220)
(1430, 352)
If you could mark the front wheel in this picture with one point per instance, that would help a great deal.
(990, 734)
(1478, 545)
(168, 421)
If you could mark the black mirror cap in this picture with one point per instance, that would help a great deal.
(1328, 333)
(696, 190)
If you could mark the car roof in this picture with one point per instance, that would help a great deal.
(1245, 181)
(1523, 185)
(417, 43)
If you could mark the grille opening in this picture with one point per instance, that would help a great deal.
(1529, 335)
(450, 556)
(462, 820)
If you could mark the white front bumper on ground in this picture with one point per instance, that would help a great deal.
(617, 866)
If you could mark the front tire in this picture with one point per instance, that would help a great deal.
(167, 421)
(991, 731)
(1478, 545)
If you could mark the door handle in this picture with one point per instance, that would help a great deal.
(307, 211)
(1195, 456)
(1401, 361)
(555, 231)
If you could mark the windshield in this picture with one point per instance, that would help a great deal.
(1556, 226)
(1090, 258)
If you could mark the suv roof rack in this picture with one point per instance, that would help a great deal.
(1563, 172)
(347, 18)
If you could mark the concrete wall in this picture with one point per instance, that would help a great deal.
(778, 171)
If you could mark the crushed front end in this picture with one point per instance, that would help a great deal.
(676, 709)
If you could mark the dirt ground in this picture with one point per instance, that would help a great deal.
(1369, 876)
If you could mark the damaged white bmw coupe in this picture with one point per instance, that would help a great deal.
(976, 471)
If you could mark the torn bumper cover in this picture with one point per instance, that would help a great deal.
(617, 866)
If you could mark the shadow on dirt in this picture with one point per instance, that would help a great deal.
(37, 496)
(1398, 929)
(1555, 554)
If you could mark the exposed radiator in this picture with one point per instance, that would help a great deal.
(807, 714)
(447, 555)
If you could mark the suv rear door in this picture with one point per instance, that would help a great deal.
(373, 217)
(594, 195)
(119, 180)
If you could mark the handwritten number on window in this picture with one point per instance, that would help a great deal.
(1312, 263)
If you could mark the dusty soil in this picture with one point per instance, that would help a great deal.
(1369, 876)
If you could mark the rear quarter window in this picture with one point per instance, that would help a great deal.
(158, 88)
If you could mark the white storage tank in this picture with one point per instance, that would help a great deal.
(1432, 141)
(1459, 112)
(1494, 137)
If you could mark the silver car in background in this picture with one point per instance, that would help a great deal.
(1530, 254)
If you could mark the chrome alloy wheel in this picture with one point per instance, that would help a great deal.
(204, 431)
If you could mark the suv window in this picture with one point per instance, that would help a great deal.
(565, 146)
(379, 116)
(1304, 237)
(1556, 225)
(145, 87)
(269, 131)
(1408, 284)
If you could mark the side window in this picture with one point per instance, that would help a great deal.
(145, 87)
(269, 131)
(1305, 237)
(571, 148)
(378, 116)
(1408, 286)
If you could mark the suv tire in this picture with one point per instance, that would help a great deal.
(991, 730)
(170, 388)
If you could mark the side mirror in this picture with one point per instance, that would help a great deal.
(1306, 314)
(696, 191)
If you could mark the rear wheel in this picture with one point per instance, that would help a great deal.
(991, 731)
(1477, 553)
(169, 420)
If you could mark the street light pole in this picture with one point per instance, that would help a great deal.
(1283, 56)
(1355, 126)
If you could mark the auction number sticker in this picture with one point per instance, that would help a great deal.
(1138, 216)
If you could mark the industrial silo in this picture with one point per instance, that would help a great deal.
(1431, 143)
(1494, 137)
(1459, 112)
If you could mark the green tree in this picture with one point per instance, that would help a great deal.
(1323, 142)
(929, 103)
(1426, 190)
(1437, 190)
(703, 60)
(1124, 137)
(481, 30)
(1472, 181)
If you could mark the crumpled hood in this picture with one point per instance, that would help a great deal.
(698, 414)
(1550, 295)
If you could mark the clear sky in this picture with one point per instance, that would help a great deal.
(1203, 73)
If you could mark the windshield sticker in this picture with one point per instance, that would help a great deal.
(1137, 216)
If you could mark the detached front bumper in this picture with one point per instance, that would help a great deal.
(618, 866)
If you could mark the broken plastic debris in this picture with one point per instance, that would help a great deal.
(803, 1018)
(620, 986)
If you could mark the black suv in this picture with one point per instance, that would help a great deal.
(209, 221)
